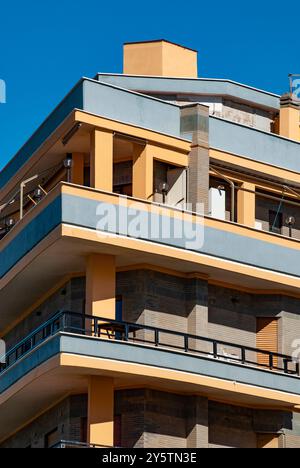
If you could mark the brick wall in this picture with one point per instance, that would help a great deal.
(164, 301)
(66, 417)
(69, 298)
(237, 427)
(153, 419)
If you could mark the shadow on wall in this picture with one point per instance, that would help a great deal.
(150, 418)
(158, 293)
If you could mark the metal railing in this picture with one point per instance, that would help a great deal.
(70, 444)
(103, 328)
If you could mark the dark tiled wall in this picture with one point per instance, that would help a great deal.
(69, 298)
(66, 417)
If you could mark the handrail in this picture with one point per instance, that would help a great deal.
(122, 331)
(62, 444)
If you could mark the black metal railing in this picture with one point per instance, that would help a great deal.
(103, 328)
(70, 444)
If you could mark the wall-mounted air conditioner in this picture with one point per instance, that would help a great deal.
(217, 203)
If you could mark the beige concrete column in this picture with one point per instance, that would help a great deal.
(195, 124)
(101, 286)
(246, 204)
(101, 411)
(197, 423)
(268, 441)
(142, 179)
(78, 169)
(289, 118)
(102, 160)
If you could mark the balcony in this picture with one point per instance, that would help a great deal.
(54, 238)
(159, 338)
(59, 356)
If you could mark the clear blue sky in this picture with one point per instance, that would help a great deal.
(47, 46)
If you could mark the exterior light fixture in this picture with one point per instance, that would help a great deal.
(291, 221)
(9, 224)
(164, 189)
(38, 195)
(68, 164)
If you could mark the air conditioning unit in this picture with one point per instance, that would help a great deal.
(217, 203)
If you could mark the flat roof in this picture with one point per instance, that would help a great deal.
(195, 86)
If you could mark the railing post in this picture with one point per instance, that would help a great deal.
(186, 343)
(95, 320)
(215, 349)
(271, 361)
(126, 332)
(243, 355)
(156, 333)
(63, 325)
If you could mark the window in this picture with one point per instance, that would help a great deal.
(275, 222)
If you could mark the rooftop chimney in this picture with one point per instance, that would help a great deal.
(289, 120)
(160, 58)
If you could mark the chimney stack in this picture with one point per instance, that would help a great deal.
(160, 58)
(289, 121)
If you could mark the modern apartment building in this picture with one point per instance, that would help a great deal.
(149, 264)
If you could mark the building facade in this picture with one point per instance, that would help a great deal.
(149, 281)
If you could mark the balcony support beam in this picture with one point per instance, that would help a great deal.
(101, 411)
(246, 204)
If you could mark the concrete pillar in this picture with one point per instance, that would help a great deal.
(197, 423)
(101, 286)
(246, 204)
(197, 304)
(289, 118)
(102, 160)
(268, 441)
(195, 125)
(78, 169)
(101, 411)
(142, 178)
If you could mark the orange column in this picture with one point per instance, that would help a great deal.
(78, 168)
(101, 286)
(102, 160)
(246, 204)
(142, 180)
(101, 411)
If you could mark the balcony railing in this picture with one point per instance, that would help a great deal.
(68, 444)
(136, 334)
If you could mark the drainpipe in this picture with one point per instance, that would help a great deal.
(22, 187)
(229, 181)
